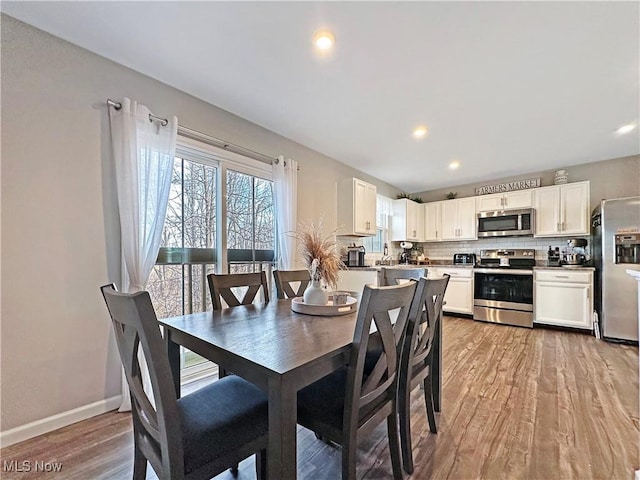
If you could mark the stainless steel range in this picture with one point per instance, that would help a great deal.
(503, 287)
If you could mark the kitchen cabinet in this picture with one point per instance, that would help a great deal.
(356, 208)
(500, 201)
(459, 295)
(563, 298)
(432, 221)
(405, 224)
(562, 210)
(458, 219)
(355, 280)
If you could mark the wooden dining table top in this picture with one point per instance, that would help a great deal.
(271, 335)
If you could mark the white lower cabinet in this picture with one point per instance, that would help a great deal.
(563, 298)
(459, 295)
(355, 280)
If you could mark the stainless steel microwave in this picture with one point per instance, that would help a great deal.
(505, 223)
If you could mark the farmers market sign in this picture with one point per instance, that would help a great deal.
(508, 186)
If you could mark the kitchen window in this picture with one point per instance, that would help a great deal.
(384, 209)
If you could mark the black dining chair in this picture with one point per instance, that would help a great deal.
(236, 289)
(416, 361)
(286, 281)
(229, 287)
(194, 437)
(353, 400)
(395, 276)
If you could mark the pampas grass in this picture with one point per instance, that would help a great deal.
(319, 252)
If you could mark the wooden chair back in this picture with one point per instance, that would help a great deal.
(284, 280)
(379, 386)
(157, 428)
(394, 276)
(424, 321)
(222, 287)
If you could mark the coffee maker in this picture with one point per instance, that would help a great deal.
(574, 255)
(406, 252)
(355, 256)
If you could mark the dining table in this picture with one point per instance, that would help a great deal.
(277, 349)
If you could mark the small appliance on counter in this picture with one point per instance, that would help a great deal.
(406, 252)
(553, 257)
(355, 256)
(464, 259)
(574, 255)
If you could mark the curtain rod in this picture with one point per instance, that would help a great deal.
(117, 105)
(208, 139)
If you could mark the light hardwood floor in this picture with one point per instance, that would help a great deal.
(517, 404)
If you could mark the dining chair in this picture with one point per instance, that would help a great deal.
(395, 276)
(194, 437)
(285, 280)
(225, 286)
(416, 361)
(351, 401)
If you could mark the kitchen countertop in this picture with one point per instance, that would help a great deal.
(375, 268)
(410, 265)
(572, 267)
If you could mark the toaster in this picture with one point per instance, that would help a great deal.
(464, 258)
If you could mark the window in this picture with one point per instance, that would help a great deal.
(204, 234)
(187, 254)
(384, 209)
(250, 223)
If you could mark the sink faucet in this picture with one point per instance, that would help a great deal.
(386, 260)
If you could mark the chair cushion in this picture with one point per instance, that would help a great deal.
(220, 418)
(324, 400)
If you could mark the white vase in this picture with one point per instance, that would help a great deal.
(315, 294)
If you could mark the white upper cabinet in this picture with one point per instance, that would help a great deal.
(458, 219)
(562, 210)
(501, 201)
(406, 223)
(356, 208)
(432, 222)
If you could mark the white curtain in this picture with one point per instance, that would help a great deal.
(143, 151)
(285, 197)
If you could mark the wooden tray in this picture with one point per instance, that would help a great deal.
(328, 310)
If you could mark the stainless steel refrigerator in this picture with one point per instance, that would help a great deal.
(615, 249)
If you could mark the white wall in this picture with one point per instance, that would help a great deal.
(59, 226)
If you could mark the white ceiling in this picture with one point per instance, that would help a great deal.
(506, 88)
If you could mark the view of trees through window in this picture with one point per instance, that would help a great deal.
(188, 251)
(250, 223)
(177, 283)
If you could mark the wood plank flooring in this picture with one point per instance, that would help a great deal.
(517, 404)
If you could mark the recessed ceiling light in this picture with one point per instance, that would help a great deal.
(324, 40)
(455, 164)
(626, 128)
(420, 132)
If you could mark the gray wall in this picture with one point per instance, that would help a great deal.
(59, 225)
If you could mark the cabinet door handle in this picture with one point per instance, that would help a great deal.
(558, 227)
(561, 276)
(502, 201)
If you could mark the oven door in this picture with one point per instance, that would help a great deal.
(505, 223)
(503, 296)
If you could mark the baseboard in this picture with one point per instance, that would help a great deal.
(45, 425)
